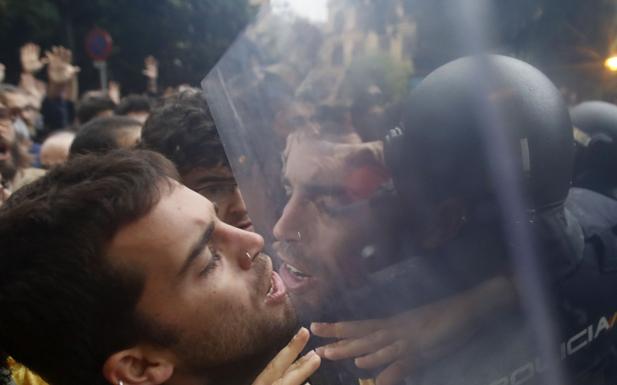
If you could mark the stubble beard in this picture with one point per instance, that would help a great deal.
(237, 358)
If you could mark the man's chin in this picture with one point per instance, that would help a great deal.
(244, 370)
(312, 306)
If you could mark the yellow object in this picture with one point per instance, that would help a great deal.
(22, 375)
(611, 63)
(366, 381)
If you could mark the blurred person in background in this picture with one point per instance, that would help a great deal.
(58, 107)
(134, 106)
(15, 162)
(184, 131)
(55, 148)
(28, 119)
(94, 105)
(595, 134)
(101, 135)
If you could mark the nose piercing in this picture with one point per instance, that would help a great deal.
(299, 236)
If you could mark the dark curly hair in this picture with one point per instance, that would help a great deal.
(133, 103)
(102, 134)
(184, 131)
(65, 308)
(89, 107)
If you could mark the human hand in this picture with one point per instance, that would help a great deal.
(151, 68)
(113, 90)
(60, 69)
(2, 72)
(405, 342)
(34, 87)
(284, 369)
(30, 55)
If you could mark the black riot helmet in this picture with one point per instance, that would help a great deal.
(468, 114)
(595, 117)
(595, 132)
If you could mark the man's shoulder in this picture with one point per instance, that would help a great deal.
(592, 209)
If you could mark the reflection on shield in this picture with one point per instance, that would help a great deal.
(407, 179)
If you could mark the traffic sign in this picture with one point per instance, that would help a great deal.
(98, 44)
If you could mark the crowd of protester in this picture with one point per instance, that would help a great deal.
(42, 119)
(103, 218)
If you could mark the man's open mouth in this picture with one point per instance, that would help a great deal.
(276, 291)
(294, 278)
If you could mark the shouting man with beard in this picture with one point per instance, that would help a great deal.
(124, 276)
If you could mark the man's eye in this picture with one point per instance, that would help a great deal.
(332, 201)
(214, 262)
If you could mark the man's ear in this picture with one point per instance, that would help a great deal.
(138, 366)
(450, 215)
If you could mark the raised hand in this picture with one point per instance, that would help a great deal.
(2, 72)
(113, 90)
(31, 61)
(60, 68)
(284, 369)
(151, 68)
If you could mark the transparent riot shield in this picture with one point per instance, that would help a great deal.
(410, 172)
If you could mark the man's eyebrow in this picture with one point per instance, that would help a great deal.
(197, 248)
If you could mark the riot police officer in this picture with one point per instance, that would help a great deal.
(595, 132)
(490, 141)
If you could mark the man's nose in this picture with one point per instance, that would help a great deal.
(241, 245)
(288, 227)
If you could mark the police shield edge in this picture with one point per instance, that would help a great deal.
(419, 201)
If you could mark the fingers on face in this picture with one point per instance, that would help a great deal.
(282, 370)
(285, 357)
(299, 372)
(288, 355)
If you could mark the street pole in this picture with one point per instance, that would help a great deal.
(102, 67)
